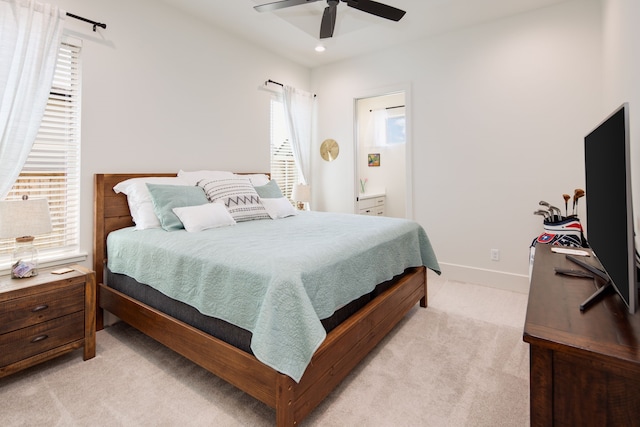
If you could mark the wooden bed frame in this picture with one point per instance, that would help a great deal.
(344, 347)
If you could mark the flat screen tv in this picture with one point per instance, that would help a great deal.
(609, 220)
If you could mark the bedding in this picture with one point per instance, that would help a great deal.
(276, 279)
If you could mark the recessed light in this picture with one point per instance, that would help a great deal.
(320, 48)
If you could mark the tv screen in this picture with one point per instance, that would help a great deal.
(609, 225)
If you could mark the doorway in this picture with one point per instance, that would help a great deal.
(383, 173)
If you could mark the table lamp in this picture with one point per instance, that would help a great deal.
(301, 194)
(22, 220)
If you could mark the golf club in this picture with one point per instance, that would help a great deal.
(555, 217)
(576, 195)
(546, 205)
(566, 198)
(545, 214)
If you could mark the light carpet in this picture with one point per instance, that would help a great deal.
(439, 367)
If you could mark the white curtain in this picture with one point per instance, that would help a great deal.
(376, 128)
(30, 35)
(298, 113)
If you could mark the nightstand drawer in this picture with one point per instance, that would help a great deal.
(27, 342)
(26, 311)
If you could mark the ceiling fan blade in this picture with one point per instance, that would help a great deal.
(378, 9)
(328, 21)
(281, 5)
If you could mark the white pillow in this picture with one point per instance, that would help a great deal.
(279, 208)
(195, 176)
(203, 217)
(257, 179)
(139, 198)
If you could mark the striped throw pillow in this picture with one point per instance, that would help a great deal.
(237, 195)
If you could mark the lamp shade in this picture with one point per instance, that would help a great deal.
(301, 193)
(21, 218)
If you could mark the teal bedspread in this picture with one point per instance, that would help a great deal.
(275, 278)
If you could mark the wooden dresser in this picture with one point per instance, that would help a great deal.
(585, 366)
(45, 316)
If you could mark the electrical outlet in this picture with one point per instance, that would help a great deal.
(495, 254)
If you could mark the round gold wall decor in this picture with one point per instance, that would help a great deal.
(329, 149)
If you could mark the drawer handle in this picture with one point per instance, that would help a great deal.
(39, 308)
(39, 338)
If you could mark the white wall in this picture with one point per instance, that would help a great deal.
(164, 91)
(622, 77)
(499, 114)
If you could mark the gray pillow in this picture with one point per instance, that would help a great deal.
(269, 191)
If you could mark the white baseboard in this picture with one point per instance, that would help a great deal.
(491, 278)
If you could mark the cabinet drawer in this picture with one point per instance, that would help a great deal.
(22, 312)
(366, 203)
(371, 203)
(376, 211)
(27, 342)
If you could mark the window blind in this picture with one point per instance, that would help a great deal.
(52, 170)
(283, 165)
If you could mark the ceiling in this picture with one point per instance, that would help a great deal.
(293, 32)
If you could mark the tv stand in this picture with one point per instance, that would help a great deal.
(607, 286)
(602, 290)
(584, 365)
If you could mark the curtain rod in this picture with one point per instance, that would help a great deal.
(391, 108)
(274, 82)
(95, 24)
(279, 84)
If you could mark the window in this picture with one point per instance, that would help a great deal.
(283, 164)
(396, 130)
(52, 170)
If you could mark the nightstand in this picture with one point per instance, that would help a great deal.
(45, 316)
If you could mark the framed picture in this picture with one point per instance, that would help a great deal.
(373, 159)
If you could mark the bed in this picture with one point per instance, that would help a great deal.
(340, 350)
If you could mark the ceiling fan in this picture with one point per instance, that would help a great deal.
(329, 16)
